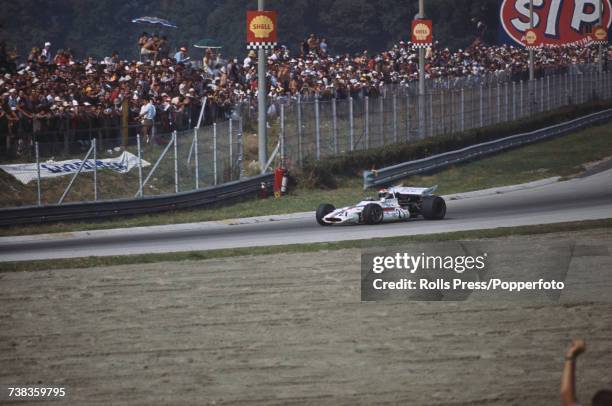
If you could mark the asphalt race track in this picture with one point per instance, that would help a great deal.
(577, 199)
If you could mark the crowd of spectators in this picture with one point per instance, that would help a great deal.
(48, 92)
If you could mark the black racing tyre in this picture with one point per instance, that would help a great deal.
(372, 214)
(433, 208)
(323, 210)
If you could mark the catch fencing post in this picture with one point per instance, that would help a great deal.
(521, 102)
(498, 103)
(490, 105)
(95, 170)
(431, 112)
(37, 172)
(215, 154)
(241, 149)
(442, 118)
(175, 140)
(541, 94)
(407, 114)
(506, 102)
(197, 158)
(559, 91)
(472, 108)
(318, 127)
(555, 88)
(299, 124)
(335, 126)
(230, 139)
(381, 111)
(462, 110)
(566, 88)
(351, 124)
(282, 134)
(451, 109)
(367, 122)
(140, 190)
(481, 105)
(513, 101)
(548, 92)
(394, 117)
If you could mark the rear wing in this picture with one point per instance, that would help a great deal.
(415, 191)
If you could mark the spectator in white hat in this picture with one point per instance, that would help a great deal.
(46, 53)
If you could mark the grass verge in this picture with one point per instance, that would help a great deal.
(89, 262)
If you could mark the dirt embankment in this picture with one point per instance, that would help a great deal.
(291, 329)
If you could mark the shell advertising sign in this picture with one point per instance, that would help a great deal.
(531, 39)
(261, 29)
(555, 22)
(600, 35)
(422, 33)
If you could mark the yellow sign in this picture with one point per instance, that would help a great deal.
(600, 34)
(531, 37)
(261, 26)
(421, 31)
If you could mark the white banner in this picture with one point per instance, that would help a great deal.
(26, 173)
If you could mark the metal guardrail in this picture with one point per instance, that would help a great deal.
(122, 207)
(388, 175)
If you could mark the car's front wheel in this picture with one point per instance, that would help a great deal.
(323, 210)
(433, 208)
(372, 214)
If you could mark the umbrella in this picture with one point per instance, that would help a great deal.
(207, 43)
(154, 20)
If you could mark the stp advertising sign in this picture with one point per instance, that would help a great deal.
(422, 34)
(555, 22)
(261, 28)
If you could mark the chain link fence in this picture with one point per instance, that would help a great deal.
(300, 130)
(168, 163)
(316, 128)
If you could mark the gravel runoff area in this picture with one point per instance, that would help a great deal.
(290, 329)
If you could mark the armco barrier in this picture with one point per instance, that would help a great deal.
(150, 204)
(388, 175)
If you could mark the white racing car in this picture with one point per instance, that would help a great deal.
(395, 204)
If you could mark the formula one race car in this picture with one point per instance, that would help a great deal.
(394, 204)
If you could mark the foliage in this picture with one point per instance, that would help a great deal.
(96, 28)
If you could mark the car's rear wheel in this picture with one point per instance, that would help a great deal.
(323, 210)
(372, 214)
(433, 208)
